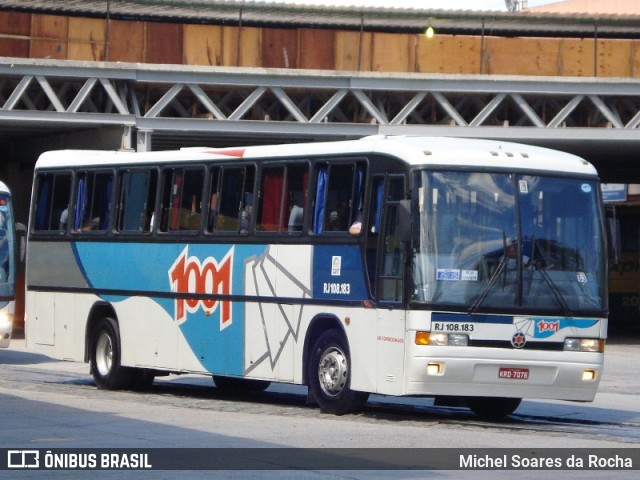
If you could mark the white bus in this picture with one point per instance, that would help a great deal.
(7, 266)
(392, 265)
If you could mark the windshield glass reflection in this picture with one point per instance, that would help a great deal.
(491, 241)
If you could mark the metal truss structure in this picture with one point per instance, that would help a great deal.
(301, 104)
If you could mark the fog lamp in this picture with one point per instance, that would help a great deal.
(434, 368)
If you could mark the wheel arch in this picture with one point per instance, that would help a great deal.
(319, 324)
(99, 311)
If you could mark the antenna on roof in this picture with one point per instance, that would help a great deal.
(512, 5)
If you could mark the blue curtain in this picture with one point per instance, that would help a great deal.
(321, 189)
(81, 202)
(357, 194)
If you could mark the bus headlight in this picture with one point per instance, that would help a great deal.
(442, 339)
(594, 345)
(5, 319)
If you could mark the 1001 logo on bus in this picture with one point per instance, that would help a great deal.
(209, 277)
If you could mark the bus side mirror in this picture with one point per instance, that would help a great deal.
(404, 221)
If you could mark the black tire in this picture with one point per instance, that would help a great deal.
(493, 407)
(329, 374)
(240, 385)
(106, 369)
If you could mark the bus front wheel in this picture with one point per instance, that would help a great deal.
(493, 407)
(329, 375)
(106, 369)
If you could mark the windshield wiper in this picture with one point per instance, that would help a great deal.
(501, 267)
(540, 263)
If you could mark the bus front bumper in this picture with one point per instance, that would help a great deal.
(489, 372)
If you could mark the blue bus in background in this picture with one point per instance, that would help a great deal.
(7, 266)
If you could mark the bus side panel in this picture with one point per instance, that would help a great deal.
(40, 324)
(52, 324)
(275, 333)
(390, 351)
(148, 334)
(339, 275)
(212, 329)
(272, 330)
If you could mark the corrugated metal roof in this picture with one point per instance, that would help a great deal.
(234, 12)
(592, 7)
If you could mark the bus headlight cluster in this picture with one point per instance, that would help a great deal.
(442, 339)
(5, 319)
(584, 345)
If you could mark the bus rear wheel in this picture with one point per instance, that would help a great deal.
(106, 369)
(493, 407)
(329, 375)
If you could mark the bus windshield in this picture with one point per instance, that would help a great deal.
(506, 241)
(7, 246)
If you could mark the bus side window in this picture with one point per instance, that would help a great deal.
(282, 198)
(52, 202)
(272, 202)
(235, 200)
(298, 177)
(92, 203)
(181, 199)
(338, 201)
(136, 200)
(214, 199)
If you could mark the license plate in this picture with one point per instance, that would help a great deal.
(513, 373)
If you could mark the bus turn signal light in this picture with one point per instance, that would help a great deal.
(442, 339)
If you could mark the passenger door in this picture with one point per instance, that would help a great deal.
(389, 281)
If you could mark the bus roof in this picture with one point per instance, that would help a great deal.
(414, 150)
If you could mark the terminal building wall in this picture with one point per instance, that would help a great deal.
(33, 35)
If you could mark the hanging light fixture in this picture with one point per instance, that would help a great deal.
(429, 32)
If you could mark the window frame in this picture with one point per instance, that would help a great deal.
(283, 226)
(35, 211)
(74, 201)
(159, 221)
(120, 208)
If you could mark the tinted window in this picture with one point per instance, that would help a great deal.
(182, 199)
(136, 200)
(52, 202)
(92, 201)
